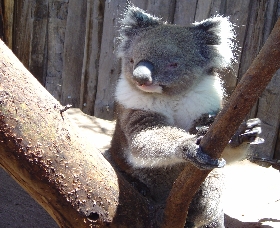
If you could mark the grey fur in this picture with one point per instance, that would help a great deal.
(167, 90)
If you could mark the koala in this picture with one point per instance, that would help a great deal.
(167, 96)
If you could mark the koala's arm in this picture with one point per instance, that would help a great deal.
(239, 145)
(153, 142)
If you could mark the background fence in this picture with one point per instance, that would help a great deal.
(69, 46)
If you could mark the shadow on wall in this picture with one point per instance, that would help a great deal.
(18, 209)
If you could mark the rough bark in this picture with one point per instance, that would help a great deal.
(40, 148)
(241, 101)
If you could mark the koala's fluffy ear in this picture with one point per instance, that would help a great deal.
(135, 19)
(218, 34)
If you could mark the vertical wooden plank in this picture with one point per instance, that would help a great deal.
(73, 52)
(23, 27)
(39, 31)
(253, 40)
(272, 14)
(268, 107)
(8, 25)
(29, 35)
(239, 14)
(217, 7)
(141, 4)
(1, 23)
(185, 12)
(268, 111)
(202, 9)
(277, 147)
(109, 65)
(94, 27)
(162, 8)
(39, 15)
(53, 62)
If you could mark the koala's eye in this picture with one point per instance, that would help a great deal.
(131, 61)
(172, 65)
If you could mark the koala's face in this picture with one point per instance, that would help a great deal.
(164, 57)
(170, 59)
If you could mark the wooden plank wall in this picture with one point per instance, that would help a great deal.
(70, 47)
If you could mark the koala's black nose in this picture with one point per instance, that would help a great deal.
(142, 73)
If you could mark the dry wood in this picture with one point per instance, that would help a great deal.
(163, 9)
(40, 148)
(8, 19)
(109, 66)
(73, 52)
(1, 23)
(52, 59)
(89, 78)
(241, 101)
(22, 32)
(268, 105)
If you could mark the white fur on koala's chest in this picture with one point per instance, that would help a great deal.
(206, 97)
(181, 110)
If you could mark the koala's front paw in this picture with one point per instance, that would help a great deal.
(247, 133)
(202, 160)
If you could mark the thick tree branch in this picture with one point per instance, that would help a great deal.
(241, 101)
(41, 149)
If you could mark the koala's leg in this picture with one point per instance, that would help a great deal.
(216, 223)
(206, 208)
(153, 142)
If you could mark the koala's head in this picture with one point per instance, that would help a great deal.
(162, 58)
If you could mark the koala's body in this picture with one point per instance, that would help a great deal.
(167, 88)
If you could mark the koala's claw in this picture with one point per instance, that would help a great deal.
(251, 123)
(204, 161)
(250, 135)
(247, 133)
(257, 140)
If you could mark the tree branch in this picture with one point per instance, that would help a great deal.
(227, 122)
(42, 150)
